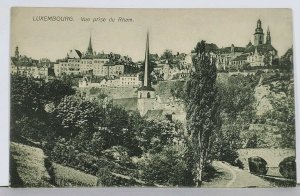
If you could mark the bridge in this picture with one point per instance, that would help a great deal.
(273, 156)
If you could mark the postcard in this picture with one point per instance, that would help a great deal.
(152, 98)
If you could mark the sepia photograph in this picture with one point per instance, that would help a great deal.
(152, 98)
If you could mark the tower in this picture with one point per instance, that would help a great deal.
(89, 51)
(17, 54)
(146, 94)
(268, 37)
(259, 34)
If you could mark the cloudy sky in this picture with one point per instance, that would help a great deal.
(175, 29)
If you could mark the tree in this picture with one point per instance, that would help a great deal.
(203, 117)
(168, 167)
(75, 114)
(200, 47)
(236, 97)
(55, 90)
(283, 113)
(167, 55)
(286, 61)
(25, 97)
(267, 59)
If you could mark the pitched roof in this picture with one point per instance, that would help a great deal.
(263, 48)
(75, 54)
(288, 53)
(101, 56)
(24, 61)
(228, 49)
(154, 114)
(127, 103)
(146, 88)
(242, 57)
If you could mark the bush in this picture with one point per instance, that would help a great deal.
(168, 167)
(287, 167)
(257, 165)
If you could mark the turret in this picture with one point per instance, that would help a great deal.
(17, 54)
(259, 34)
(268, 37)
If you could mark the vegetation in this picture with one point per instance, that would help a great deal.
(202, 107)
(93, 142)
(68, 177)
(283, 113)
(28, 165)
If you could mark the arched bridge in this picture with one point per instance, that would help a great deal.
(273, 156)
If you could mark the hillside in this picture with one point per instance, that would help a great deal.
(69, 177)
(30, 168)
(27, 165)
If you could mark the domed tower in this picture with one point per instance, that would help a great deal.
(268, 37)
(146, 94)
(259, 34)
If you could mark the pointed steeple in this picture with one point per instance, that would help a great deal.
(147, 81)
(268, 37)
(249, 44)
(90, 48)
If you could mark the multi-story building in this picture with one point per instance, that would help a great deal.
(70, 65)
(22, 65)
(130, 80)
(226, 55)
(259, 54)
(98, 64)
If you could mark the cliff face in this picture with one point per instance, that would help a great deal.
(263, 104)
(271, 91)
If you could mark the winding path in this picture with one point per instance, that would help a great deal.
(230, 176)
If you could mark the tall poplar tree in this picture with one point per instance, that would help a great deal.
(203, 116)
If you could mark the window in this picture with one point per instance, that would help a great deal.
(148, 95)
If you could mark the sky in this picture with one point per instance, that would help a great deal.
(176, 29)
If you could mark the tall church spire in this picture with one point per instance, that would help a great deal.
(268, 37)
(90, 48)
(146, 94)
(147, 81)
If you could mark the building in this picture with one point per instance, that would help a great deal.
(146, 94)
(70, 65)
(259, 54)
(23, 65)
(225, 56)
(130, 80)
(90, 62)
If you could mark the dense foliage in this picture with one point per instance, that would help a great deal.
(202, 107)
(95, 136)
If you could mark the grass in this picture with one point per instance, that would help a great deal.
(69, 177)
(27, 165)
(30, 167)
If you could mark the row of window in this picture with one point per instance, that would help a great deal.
(129, 78)
(73, 60)
(101, 61)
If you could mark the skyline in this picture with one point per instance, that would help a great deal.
(176, 29)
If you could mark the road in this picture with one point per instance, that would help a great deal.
(233, 177)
